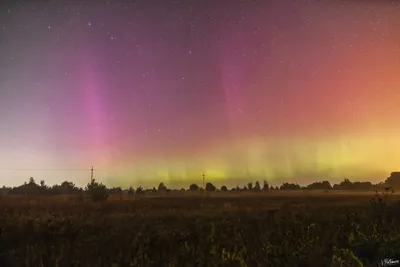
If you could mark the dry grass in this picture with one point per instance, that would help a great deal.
(199, 229)
(185, 202)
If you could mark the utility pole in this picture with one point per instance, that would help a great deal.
(91, 175)
(204, 180)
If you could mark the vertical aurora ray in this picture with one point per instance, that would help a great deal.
(92, 99)
(95, 109)
(232, 73)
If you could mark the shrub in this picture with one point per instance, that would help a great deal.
(97, 191)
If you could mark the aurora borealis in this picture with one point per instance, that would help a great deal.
(152, 91)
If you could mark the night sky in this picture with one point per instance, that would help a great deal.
(151, 91)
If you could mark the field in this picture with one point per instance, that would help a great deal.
(221, 229)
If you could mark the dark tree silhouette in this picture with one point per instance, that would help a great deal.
(68, 187)
(257, 186)
(139, 190)
(97, 191)
(289, 186)
(265, 186)
(348, 185)
(31, 188)
(131, 191)
(65, 188)
(345, 185)
(210, 187)
(393, 181)
(162, 187)
(194, 187)
(115, 190)
(250, 186)
(325, 185)
(224, 188)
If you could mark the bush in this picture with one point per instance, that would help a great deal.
(97, 192)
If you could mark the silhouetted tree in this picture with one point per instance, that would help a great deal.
(348, 185)
(97, 191)
(162, 187)
(325, 185)
(257, 186)
(131, 191)
(265, 186)
(139, 190)
(363, 186)
(65, 188)
(115, 190)
(68, 187)
(194, 187)
(210, 187)
(42, 183)
(393, 180)
(224, 188)
(289, 186)
(250, 186)
(30, 188)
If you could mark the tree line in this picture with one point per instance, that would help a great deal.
(101, 191)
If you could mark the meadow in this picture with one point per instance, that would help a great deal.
(291, 228)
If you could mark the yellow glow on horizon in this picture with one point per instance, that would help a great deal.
(357, 156)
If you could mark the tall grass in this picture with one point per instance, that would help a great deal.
(322, 230)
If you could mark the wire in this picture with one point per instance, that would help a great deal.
(45, 169)
(27, 169)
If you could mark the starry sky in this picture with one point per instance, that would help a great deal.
(151, 91)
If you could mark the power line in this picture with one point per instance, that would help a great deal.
(26, 169)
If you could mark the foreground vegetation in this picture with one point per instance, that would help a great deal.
(266, 229)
